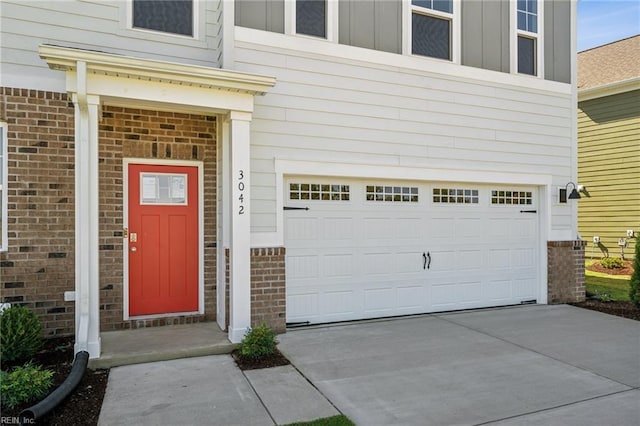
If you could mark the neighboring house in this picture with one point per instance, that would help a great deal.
(285, 161)
(609, 147)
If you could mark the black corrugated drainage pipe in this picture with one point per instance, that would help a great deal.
(31, 414)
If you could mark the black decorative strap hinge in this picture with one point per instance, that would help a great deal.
(295, 208)
(528, 211)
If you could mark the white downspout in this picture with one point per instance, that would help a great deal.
(86, 217)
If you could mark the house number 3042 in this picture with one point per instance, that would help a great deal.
(241, 190)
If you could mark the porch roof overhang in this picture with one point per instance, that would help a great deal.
(97, 78)
(120, 79)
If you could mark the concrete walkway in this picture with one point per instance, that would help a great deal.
(531, 365)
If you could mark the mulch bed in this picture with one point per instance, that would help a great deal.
(627, 268)
(82, 407)
(617, 308)
(274, 360)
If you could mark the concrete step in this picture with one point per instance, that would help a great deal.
(125, 347)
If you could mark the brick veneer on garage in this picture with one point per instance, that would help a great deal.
(138, 133)
(268, 293)
(39, 265)
(566, 271)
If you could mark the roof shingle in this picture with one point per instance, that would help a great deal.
(613, 62)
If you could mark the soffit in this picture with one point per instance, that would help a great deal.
(66, 59)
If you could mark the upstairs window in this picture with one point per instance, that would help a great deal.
(167, 16)
(311, 18)
(527, 36)
(432, 23)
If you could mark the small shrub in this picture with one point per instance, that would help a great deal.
(258, 342)
(612, 262)
(634, 284)
(24, 384)
(604, 296)
(20, 334)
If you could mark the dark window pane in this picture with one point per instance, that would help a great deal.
(522, 21)
(443, 5)
(526, 55)
(532, 6)
(169, 16)
(430, 36)
(522, 4)
(532, 23)
(311, 17)
(423, 3)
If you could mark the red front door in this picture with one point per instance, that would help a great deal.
(163, 239)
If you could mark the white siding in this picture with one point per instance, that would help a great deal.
(333, 109)
(96, 25)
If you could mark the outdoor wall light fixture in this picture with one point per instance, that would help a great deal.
(574, 195)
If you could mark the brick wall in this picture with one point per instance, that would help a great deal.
(138, 133)
(39, 265)
(268, 292)
(566, 282)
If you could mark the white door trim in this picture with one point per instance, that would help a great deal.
(125, 224)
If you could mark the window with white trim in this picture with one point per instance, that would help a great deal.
(320, 192)
(311, 18)
(4, 177)
(502, 197)
(455, 196)
(527, 36)
(167, 16)
(389, 193)
(432, 29)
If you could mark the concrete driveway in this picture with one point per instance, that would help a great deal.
(528, 365)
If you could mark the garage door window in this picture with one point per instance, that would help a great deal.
(511, 197)
(317, 191)
(398, 194)
(455, 196)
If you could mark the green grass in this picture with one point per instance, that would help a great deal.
(327, 421)
(616, 286)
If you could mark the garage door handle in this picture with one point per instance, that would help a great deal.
(425, 256)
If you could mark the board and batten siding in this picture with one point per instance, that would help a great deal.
(265, 15)
(372, 24)
(94, 25)
(609, 168)
(485, 35)
(557, 40)
(329, 109)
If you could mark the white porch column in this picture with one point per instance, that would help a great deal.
(240, 233)
(87, 273)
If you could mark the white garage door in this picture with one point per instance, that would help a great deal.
(367, 249)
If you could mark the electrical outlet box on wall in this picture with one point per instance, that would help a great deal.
(630, 233)
(596, 239)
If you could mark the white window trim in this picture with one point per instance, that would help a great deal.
(331, 24)
(407, 13)
(514, 32)
(126, 14)
(4, 180)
